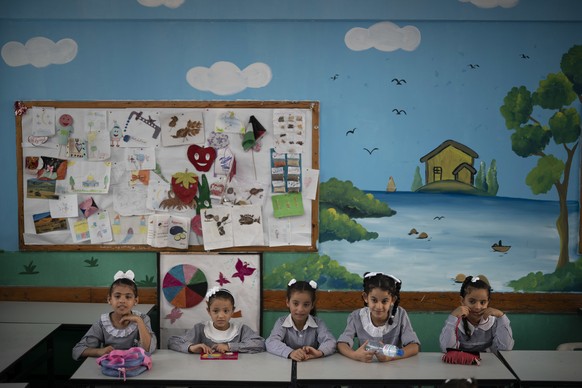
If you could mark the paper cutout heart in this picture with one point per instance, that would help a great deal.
(201, 157)
(37, 140)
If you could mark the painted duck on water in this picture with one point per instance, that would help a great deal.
(499, 247)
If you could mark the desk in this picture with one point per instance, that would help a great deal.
(173, 368)
(545, 367)
(423, 369)
(67, 313)
(17, 339)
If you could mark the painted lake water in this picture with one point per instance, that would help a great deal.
(461, 230)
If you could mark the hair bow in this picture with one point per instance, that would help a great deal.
(474, 279)
(211, 292)
(124, 275)
(372, 274)
(291, 282)
(142, 176)
(313, 284)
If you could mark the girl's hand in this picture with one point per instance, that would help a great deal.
(364, 355)
(199, 348)
(130, 318)
(311, 352)
(298, 354)
(489, 311)
(221, 348)
(105, 350)
(461, 311)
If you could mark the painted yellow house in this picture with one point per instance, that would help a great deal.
(450, 161)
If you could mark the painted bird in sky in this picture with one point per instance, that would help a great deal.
(351, 131)
(399, 111)
(370, 151)
(398, 81)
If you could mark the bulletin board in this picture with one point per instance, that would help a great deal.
(185, 279)
(228, 176)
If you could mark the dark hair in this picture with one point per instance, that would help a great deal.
(476, 283)
(223, 293)
(123, 282)
(385, 283)
(460, 383)
(303, 286)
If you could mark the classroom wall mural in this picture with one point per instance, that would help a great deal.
(449, 130)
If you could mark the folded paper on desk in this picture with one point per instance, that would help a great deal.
(219, 356)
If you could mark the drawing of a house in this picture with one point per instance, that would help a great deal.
(450, 161)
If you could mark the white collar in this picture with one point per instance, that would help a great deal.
(374, 331)
(289, 322)
(119, 333)
(221, 336)
(484, 324)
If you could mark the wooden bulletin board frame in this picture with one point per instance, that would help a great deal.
(311, 106)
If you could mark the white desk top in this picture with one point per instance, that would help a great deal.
(57, 312)
(547, 366)
(19, 338)
(424, 368)
(175, 367)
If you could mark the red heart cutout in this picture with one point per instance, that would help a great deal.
(201, 157)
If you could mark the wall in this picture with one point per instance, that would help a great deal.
(130, 52)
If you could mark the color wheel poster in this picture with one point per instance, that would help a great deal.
(185, 279)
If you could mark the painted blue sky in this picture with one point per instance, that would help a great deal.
(144, 50)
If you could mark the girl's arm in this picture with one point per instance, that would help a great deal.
(90, 344)
(503, 336)
(147, 338)
(250, 341)
(359, 354)
(326, 340)
(182, 343)
(447, 339)
(274, 343)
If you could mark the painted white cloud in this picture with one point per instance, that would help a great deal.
(383, 36)
(157, 3)
(224, 78)
(39, 52)
(492, 3)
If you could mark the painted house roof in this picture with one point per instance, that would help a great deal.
(447, 143)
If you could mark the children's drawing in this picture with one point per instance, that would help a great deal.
(225, 162)
(218, 140)
(64, 128)
(140, 158)
(141, 177)
(247, 226)
(44, 223)
(31, 164)
(88, 177)
(64, 206)
(76, 148)
(182, 128)
(279, 232)
(131, 200)
(168, 231)
(79, 228)
(289, 131)
(287, 205)
(310, 183)
(98, 145)
(100, 227)
(115, 134)
(217, 227)
(43, 121)
(129, 229)
(138, 128)
(228, 122)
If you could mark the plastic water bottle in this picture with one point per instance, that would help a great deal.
(387, 350)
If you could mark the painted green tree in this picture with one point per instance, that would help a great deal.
(416, 180)
(530, 137)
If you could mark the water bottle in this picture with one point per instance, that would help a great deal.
(387, 350)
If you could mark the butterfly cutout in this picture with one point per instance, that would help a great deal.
(242, 270)
(174, 315)
(222, 280)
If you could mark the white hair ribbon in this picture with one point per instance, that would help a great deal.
(211, 292)
(313, 284)
(124, 275)
(372, 274)
(291, 282)
(474, 279)
(394, 277)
